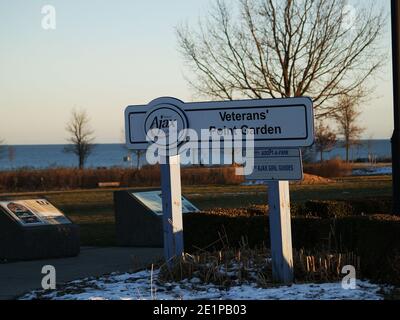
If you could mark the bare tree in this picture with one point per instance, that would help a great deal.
(138, 153)
(11, 153)
(346, 117)
(2, 148)
(370, 146)
(308, 154)
(325, 139)
(81, 136)
(284, 48)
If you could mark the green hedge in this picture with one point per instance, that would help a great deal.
(337, 209)
(319, 209)
(324, 209)
(376, 239)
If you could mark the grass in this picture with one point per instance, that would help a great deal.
(240, 196)
(329, 169)
(72, 178)
(93, 210)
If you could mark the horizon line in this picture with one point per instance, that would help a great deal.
(123, 143)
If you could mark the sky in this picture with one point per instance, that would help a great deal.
(105, 55)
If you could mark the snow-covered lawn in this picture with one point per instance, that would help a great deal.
(145, 286)
(383, 171)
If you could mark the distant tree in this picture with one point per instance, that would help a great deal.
(139, 154)
(325, 139)
(1, 148)
(346, 117)
(370, 145)
(284, 48)
(81, 136)
(11, 153)
(308, 154)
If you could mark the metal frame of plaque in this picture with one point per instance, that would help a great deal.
(138, 217)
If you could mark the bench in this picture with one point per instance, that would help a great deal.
(109, 184)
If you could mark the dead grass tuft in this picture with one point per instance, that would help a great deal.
(70, 178)
(329, 169)
(232, 267)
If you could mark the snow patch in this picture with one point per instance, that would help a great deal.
(138, 286)
(383, 171)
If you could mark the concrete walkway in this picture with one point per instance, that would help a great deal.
(21, 277)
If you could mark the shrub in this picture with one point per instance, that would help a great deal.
(371, 206)
(329, 169)
(375, 239)
(326, 209)
(315, 208)
(70, 178)
(236, 266)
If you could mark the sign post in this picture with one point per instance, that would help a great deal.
(274, 123)
(395, 10)
(172, 208)
(280, 231)
(278, 166)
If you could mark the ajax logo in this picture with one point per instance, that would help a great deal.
(170, 120)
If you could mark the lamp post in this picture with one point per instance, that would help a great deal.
(395, 10)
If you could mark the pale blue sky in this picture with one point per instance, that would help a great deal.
(103, 56)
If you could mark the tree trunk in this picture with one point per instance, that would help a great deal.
(322, 156)
(81, 162)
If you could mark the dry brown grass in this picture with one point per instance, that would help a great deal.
(254, 210)
(69, 178)
(323, 266)
(230, 267)
(329, 169)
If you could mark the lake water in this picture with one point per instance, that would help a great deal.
(381, 149)
(112, 155)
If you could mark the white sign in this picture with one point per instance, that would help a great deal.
(274, 122)
(277, 165)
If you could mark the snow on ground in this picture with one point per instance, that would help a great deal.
(144, 286)
(254, 183)
(373, 171)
